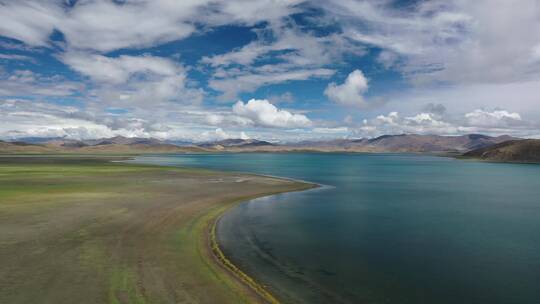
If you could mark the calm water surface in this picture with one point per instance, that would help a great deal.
(386, 228)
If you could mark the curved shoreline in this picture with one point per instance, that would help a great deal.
(224, 262)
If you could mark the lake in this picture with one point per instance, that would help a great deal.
(385, 228)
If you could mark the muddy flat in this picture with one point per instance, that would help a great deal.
(86, 230)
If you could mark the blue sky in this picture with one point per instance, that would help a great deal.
(280, 70)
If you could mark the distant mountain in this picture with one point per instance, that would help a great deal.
(523, 151)
(121, 140)
(118, 144)
(434, 143)
(181, 143)
(386, 143)
(37, 140)
(404, 143)
(236, 143)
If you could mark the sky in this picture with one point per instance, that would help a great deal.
(277, 70)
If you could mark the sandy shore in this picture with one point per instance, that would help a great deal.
(84, 230)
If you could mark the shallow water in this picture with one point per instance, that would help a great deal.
(388, 228)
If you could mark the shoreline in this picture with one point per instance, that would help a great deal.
(211, 249)
(120, 248)
(221, 260)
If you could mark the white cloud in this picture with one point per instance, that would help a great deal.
(29, 21)
(107, 25)
(253, 11)
(243, 135)
(393, 123)
(498, 118)
(479, 121)
(130, 80)
(217, 134)
(220, 134)
(25, 118)
(16, 57)
(300, 48)
(387, 58)
(25, 82)
(118, 70)
(337, 130)
(250, 81)
(299, 55)
(350, 93)
(521, 97)
(457, 41)
(263, 113)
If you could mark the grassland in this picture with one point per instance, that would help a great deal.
(86, 230)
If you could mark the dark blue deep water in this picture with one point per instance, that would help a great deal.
(386, 228)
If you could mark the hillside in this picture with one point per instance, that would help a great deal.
(522, 151)
(21, 147)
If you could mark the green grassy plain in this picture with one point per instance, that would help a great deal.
(85, 230)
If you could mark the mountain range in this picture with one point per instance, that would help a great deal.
(407, 143)
(457, 145)
(385, 143)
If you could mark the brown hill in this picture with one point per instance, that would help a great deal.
(522, 151)
(21, 148)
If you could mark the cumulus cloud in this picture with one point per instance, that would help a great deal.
(350, 93)
(394, 123)
(263, 113)
(217, 134)
(495, 122)
(220, 134)
(498, 118)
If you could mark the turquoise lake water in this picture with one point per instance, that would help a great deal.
(386, 228)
